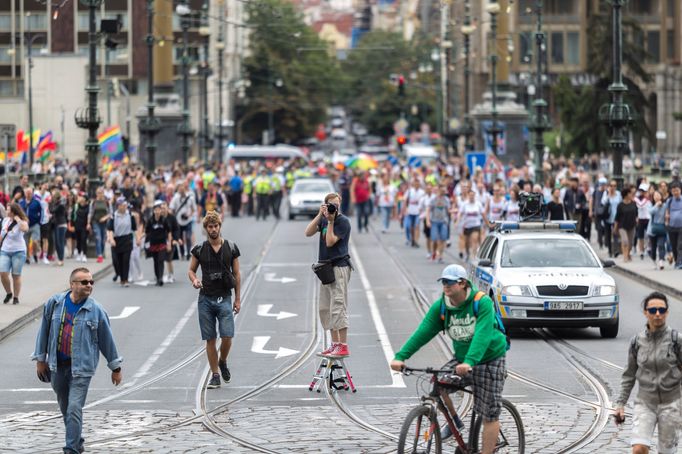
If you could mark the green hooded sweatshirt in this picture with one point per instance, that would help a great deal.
(475, 339)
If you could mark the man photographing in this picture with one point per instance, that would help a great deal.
(219, 260)
(334, 229)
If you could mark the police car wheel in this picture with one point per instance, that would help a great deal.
(609, 332)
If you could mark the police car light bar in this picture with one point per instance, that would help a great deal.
(564, 226)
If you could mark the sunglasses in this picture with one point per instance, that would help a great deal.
(449, 282)
(85, 282)
(660, 310)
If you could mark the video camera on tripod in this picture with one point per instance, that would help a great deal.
(531, 206)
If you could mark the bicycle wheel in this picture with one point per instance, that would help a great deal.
(512, 438)
(420, 433)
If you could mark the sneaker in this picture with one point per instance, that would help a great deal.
(326, 352)
(100, 259)
(661, 264)
(84, 259)
(7, 298)
(45, 260)
(164, 279)
(171, 279)
(341, 351)
(215, 382)
(224, 371)
(15, 300)
(115, 278)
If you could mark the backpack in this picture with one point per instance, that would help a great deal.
(674, 335)
(228, 254)
(477, 301)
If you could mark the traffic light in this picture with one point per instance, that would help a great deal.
(402, 140)
(401, 85)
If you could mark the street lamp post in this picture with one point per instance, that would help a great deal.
(184, 129)
(467, 30)
(493, 9)
(204, 31)
(540, 121)
(617, 114)
(150, 125)
(220, 48)
(89, 118)
(30, 96)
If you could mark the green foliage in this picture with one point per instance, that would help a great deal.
(283, 48)
(368, 92)
(579, 107)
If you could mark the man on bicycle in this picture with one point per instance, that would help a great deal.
(479, 347)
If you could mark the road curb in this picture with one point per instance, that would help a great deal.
(30, 316)
(668, 290)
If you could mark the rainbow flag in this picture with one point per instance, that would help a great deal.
(45, 147)
(111, 145)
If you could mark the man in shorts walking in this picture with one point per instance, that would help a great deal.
(219, 261)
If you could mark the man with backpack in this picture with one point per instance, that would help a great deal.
(479, 341)
(655, 363)
(219, 260)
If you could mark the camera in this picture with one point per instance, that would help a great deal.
(215, 276)
(530, 206)
(331, 208)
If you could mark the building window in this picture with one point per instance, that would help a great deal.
(671, 44)
(5, 57)
(653, 45)
(5, 22)
(193, 53)
(35, 21)
(573, 48)
(84, 21)
(557, 7)
(671, 8)
(642, 7)
(557, 47)
(526, 47)
(6, 89)
(118, 56)
(526, 7)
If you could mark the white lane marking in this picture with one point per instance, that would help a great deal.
(259, 343)
(285, 264)
(126, 312)
(141, 283)
(270, 277)
(142, 371)
(385, 342)
(264, 311)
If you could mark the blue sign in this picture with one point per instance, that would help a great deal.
(475, 159)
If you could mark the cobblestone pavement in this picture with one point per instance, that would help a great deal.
(296, 429)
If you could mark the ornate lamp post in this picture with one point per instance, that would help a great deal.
(540, 121)
(151, 125)
(220, 48)
(467, 30)
(617, 114)
(184, 129)
(88, 118)
(494, 9)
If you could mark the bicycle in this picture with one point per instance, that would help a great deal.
(416, 437)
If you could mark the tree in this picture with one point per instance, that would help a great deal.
(579, 108)
(282, 48)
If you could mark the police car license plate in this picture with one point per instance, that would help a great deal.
(563, 305)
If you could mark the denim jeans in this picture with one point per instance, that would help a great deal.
(60, 241)
(71, 394)
(386, 216)
(100, 231)
(362, 214)
(411, 220)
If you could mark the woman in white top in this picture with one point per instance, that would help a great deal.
(13, 250)
(471, 215)
(385, 201)
(512, 212)
(643, 216)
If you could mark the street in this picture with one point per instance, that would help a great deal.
(560, 380)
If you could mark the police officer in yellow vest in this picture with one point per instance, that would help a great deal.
(263, 186)
(276, 180)
(248, 191)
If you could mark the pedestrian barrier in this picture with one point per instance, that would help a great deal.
(335, 373)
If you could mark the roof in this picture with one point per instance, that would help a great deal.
(265, 152)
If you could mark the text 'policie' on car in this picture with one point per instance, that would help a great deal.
(543, 274)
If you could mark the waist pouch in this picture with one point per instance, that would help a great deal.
(324, 271)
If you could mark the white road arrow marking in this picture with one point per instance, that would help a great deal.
(270, 277)
(126, 312)
(259, 343)
(264, 311)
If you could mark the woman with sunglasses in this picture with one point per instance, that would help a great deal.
(655, 363)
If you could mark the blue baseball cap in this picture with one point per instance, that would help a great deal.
(453, 273)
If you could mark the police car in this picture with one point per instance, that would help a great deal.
(543, 274)
(307, 195)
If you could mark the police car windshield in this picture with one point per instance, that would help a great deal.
(549, 252)
(312, 187)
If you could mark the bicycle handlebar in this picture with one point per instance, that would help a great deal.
(429, 370)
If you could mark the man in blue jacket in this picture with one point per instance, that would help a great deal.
(34, 210)
(73, 332)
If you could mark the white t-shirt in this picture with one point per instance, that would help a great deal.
(412, 199)
(471, 214)
(496, 209)
(14, 241)
(513, 211)
(424, 203)
(386, 195)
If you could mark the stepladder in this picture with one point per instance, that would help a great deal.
(334, 373)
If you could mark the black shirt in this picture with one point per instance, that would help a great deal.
(556, 211)
(157, 231)
(626, 215)
(340, 249)
(210, 263)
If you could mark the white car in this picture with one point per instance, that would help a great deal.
(307, 195)
(543, 274)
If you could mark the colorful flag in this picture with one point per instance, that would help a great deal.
(111, 145)
(45, 147)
